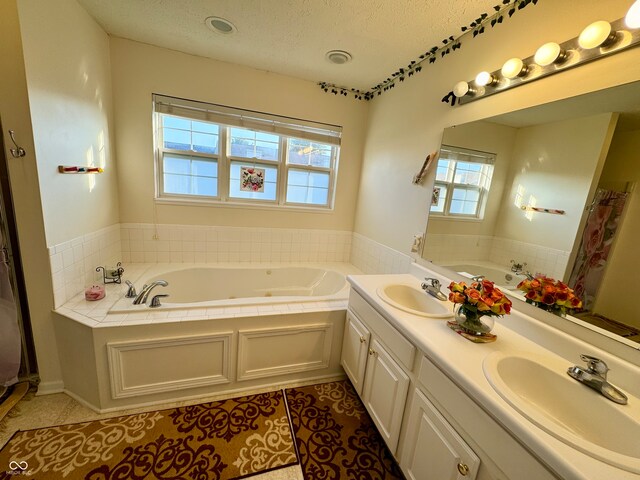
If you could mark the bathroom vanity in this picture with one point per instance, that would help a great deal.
(452, 409)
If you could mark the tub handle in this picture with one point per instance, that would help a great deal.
(155, 301)
(131, 291)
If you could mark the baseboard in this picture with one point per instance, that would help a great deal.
(83, 402)
(48, 388)
(210, 397)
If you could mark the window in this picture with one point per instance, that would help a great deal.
(462, 182)
(215, 154)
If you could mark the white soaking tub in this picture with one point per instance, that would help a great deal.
(224, 329)
(502, 277)
(216, 286)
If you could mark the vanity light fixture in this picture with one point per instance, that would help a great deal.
(632, 20)
(485, 78)
(513, 68)
(597, 40)
(596, 35)
(550, 53)
(461, 89)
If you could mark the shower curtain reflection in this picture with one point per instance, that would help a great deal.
(597, 239)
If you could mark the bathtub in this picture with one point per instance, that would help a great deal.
(502, 277)
(234, 328)
(216, 286)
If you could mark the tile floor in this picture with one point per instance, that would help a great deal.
(58, 409)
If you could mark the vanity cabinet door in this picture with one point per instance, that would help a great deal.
(432, 449)
(385, 393)
(355, 347)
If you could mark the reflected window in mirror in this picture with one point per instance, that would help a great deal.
(463, 179)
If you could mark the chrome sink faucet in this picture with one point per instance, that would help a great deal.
(146, 290)
(595, 376)
(432, 287)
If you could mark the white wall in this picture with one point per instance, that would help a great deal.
(68, 76)
(140, 70)
(23, 176)
(407, 122)
(555, 163)
(623, 269)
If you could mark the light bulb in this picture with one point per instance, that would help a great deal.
(485, 78)
(596, 34)
(632, 20)
(460, 89)
(514, 67)
(549, 53)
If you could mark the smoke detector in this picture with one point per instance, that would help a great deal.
(338, 56)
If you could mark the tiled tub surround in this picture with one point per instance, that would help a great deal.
(145, 243)
(500, 251)
(73, 263)
(112, 361)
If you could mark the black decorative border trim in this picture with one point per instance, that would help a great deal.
(450, 44)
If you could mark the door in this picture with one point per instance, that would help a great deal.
(355, 346)
(432, 449)
(385, 393)
(17, 355)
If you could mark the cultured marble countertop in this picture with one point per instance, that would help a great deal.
(461, 360)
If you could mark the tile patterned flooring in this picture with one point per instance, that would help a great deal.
(59, 409)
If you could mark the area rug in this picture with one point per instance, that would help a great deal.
(335, 436)
(13, 395)
(227, 439)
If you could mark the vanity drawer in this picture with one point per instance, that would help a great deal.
(396, 344)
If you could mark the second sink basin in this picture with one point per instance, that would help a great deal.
(414, 300)
(540, 390)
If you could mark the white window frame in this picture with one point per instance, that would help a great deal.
(456, 155)
(284, 127)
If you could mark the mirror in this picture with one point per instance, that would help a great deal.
(550, 207)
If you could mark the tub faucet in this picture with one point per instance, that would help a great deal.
(595, 376)
(146, 290)
(432, 287)
(517, 267)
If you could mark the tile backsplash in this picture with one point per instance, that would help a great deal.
(73, 263)
(144, 243)
(374, 258)
(442, 248)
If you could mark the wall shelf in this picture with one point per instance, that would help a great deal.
(74, 169)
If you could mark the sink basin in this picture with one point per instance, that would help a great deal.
(414, 300)
(540, 390)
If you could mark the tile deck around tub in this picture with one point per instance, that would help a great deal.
(95, 313)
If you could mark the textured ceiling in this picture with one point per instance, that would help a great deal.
(291, 37)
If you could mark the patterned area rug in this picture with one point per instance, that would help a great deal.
(219, 440)
(335, 436)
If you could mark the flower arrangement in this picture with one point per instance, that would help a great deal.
(481, 298)
(549, 294)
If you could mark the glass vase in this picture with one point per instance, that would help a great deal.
(472, 325)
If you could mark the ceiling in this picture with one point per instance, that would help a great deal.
(291, 37)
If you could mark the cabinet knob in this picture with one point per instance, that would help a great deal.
(373, 352)
(463, 469)
(362, 339)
